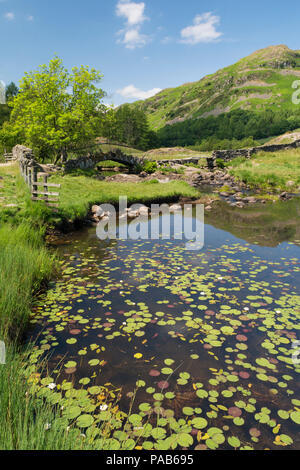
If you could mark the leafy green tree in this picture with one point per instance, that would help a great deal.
(56, 111)
(129, 125)
(11, 91)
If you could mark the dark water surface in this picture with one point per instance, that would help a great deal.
(203, 339)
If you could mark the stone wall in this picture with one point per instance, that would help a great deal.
(20, 151)
(179, 161)
(228, 155)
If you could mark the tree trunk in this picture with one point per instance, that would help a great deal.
(62, 155)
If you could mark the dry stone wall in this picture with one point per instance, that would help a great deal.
(228, 155)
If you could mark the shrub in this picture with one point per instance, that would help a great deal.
(150, 167)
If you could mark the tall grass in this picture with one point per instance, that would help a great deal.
(278, 171)
(24, 265)
(28, 422)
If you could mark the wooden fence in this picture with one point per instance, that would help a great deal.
(9, 157)
(38, 183)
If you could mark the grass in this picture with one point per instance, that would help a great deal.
(24, 418)
(79, 193)
(175, 153)
(278, 171)
(24, 265)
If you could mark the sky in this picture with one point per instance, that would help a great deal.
(141, 47)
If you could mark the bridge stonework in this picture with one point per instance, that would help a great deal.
(90, 161)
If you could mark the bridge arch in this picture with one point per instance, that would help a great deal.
(91, 160)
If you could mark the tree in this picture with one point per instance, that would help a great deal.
(55, 110)
(11, 91)
(128, 125)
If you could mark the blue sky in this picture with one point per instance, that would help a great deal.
(141, 46)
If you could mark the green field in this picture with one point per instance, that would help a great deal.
(274, 171)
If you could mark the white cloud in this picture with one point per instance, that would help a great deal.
(132, 38)
(9, 16)
(30, 18)
(203, 29)
(132, 92)
(134, 16)
(133, 12)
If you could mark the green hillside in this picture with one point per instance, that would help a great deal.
(258, 82)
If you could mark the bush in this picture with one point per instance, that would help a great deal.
(150, 167)
(220, 163)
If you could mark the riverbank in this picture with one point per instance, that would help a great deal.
(27, 420)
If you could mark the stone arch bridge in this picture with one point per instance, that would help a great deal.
(91, 160)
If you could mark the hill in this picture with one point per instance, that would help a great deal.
(259, 82)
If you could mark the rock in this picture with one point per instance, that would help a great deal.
(132, 214)
(167, 180)
(250, 200)
(95, 208)
(175, 207)
(289, 184)
(143, 174)
(208, 208)
(100, 212)
(144, 210)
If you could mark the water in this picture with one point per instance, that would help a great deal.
(203, 340)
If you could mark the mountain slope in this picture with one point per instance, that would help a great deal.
(260, 81)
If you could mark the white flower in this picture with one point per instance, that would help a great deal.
(220, 278)
(246, 309)
(278, 311)
(103, 407)
(47, 426)
(52, 386)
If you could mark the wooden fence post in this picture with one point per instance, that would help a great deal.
(34, 188)
(30, 177)
(45, 178)
(26, 173)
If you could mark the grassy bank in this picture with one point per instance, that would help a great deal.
(24, 265)
(278, 171)
(79, 193)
